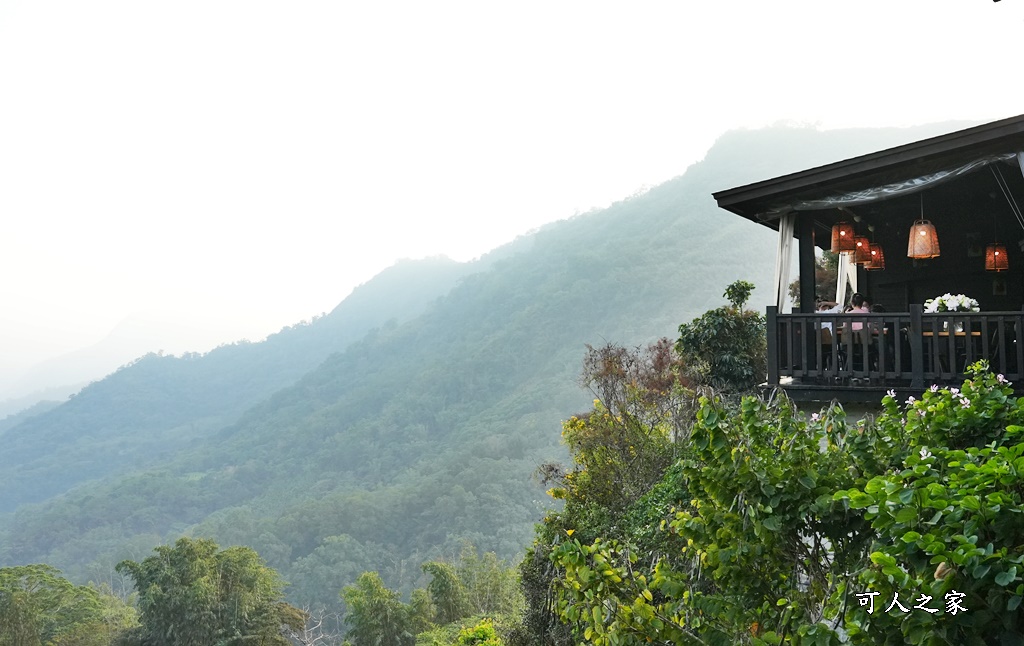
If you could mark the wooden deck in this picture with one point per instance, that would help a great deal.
(857, 357)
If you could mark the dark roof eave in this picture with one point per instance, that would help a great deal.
(750, 200)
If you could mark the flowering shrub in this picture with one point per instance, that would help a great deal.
(783, 526)
(950, 303)
(948, 520)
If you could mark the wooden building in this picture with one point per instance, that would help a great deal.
(969, 187)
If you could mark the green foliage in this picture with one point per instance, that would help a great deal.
(726, 347)
(783, 525)
(474, 586)
(376, 616)
(756, 549)
(481, 634)
(826, 276)
(948, 519)
(491, 585)
(447, 594)
(766, 539)
(738, 293)
(39, 606)
(621, 450)
(194, 594)
(625, 443)
(497, 629)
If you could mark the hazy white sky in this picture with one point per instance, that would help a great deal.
(237, 166)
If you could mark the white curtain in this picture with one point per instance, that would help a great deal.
(847, 276)
(783, 261)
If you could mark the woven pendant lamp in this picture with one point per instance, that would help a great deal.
(995, 257)
(843, 238)
(924, 241)
(877, 258)
(862, 250)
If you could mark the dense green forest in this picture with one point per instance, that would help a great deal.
(332, 450)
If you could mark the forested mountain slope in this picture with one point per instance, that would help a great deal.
(153, 407)
(426, 433)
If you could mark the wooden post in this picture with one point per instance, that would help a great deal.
(805, 235)
(772, 329)
(916, 347)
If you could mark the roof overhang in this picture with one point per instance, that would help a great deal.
(764, 201)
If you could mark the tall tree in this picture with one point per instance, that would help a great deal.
(376, 616)
(194, 594)
(447, 593)
(39, 606)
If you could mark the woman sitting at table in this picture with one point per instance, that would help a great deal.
(859, 304)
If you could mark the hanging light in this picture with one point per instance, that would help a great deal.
(995, 254)
(877, 257)
(861, 250)
(995, 257)
(842, 238)
(924, 241)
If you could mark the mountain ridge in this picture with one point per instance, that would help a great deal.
(424, 433)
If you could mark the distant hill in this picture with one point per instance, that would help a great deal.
(423, 433)
(150, 409)
(40, 407)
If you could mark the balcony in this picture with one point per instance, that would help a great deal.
(857, 357)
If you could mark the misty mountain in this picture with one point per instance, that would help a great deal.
(24, 413)
(149, 409)
(422, 433)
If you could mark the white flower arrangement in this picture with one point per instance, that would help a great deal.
(950, 303)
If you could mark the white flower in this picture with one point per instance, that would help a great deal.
(911, 400)
(950, 303)
(1001, 379)
(954, 391)
(966, 403)
(934, 388)
(925, 453)
(815, 417)
(891, 392)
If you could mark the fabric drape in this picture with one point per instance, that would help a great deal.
(783, 262)
(847, 277)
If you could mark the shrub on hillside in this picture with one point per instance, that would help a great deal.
(726, 347)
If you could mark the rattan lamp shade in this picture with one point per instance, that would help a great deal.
(924, 241)
(842, 238)
(877, 258)
(861, 250)
(995, 257)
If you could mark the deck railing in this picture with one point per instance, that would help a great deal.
(898, 349)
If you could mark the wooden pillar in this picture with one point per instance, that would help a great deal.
(805, 234)
(916, 347)
(772, 326)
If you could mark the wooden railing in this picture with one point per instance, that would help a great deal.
(899, 349)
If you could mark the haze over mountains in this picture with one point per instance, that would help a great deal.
(411, 417)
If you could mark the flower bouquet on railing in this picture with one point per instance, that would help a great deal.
(951, 303)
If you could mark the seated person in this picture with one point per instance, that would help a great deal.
(828, 307)
(859, 304)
